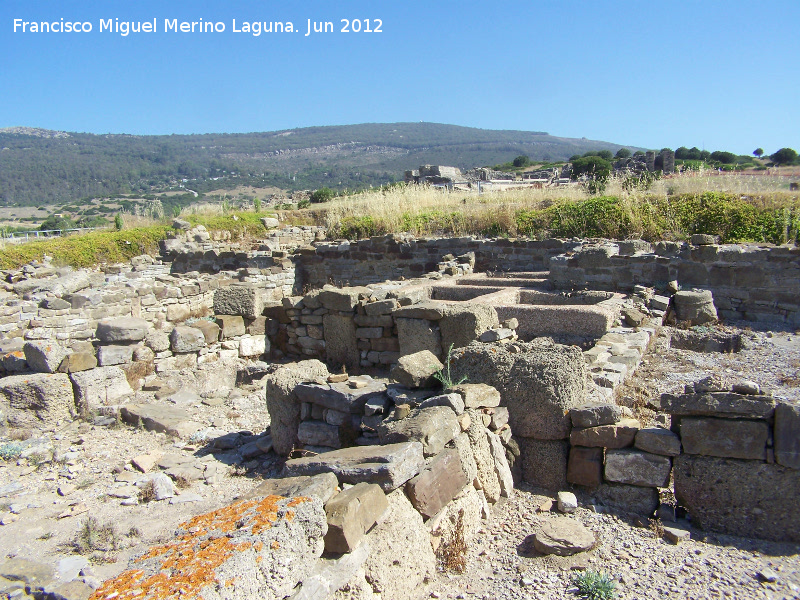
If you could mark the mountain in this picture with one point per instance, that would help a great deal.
(38, 166)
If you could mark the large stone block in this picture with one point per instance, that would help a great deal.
(323, 486)
(239, 299)
(585, 466)
(594, 414)
(186, 339)
(44, 356)
(417, 370)
(787, 435)
(389, 466)
(635, 467)
(273, 547)
(462, 324)
(401, 557)
(351, 514)
(210, 330)
(114, 355)
(99, 387)
(696, 306)
(544, 462)
(282, 401)
(158, 417)
(725, 438)
(739, 497)
(125, 329)
(319, 433)
(253, 345)
(231, 326)
(438, 484)
(415, 335)
(341, 343)
(39, 399)
(433, 427)
(539, 384)
(618, 435)
(656, 440)
(344, 299)
(628, 498)
(478, 395)
(341, 396)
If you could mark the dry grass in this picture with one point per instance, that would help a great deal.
(453, 552)
(147, 493)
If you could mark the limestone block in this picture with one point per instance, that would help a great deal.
(438, 484)
(725, 438)
(44, 356)
(38, 399)
(125, 329)
(635, 467)
(114, 355)
(231, 326)
(351, 513)
(417, 370)
(99, 387)
(186, 339)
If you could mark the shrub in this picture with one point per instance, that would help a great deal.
(521, 161)
(594, 167)
(593, 585)
(118, 222)
(784, 156)
(323, 194)
(622, 153)
(727, 158)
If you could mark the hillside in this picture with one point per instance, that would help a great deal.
(45, 167)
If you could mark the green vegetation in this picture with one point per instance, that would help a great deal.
(444, 376)
(522, 160)
(593, 585)
(622, 153)
(784, 156)
(323, 194)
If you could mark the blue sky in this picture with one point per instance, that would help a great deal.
(719, 75)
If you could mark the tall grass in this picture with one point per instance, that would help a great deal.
(737, 207)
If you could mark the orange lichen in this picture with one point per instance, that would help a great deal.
(189, 562)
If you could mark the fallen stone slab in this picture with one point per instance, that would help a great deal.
(37, 399)
(433, 427)
(351, 514)
(389, 466)
(124, 329)
(155, 417)
(563, 536)
(438, 484)
(417, 370)
(322, 486)
(342, 396)
(748, 498)
(635, 467)
(501, 466)
(725, 438)
(260, 548)
(44, 356)
(99, 387)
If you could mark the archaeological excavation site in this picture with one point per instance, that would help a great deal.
(401, 418)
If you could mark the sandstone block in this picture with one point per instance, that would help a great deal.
(114, 355)
(210, 330)
(351, 514)
(186, 339)
(478, 395)
(635, 467)
(125, 329)
(656, 440)
(618, 435)
(725, 438)
(100, 386)
(594, 414)
(417, 370)
(453, 401)
(585, 466)
(231, 326)
(78, 361)
(389, 466)
(344, 299)
(39, 399)
(464, 323)
(438, 484)
(415, 335)
(44, 356)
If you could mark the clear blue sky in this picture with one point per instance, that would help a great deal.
(718, 74)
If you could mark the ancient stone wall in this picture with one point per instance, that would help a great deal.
(749, 282)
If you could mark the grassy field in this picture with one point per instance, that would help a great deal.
(736, 207)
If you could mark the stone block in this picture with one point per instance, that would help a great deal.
(499, 418)
(417, 370)
(389, 466)
(415, 335)
(628, 498)
(787, 435)
(433, 427)
(594, 414)
(344, 299)
(342, 396)
(634, 467)
(462, 324)
(725, 438)
(231, 326)
(158, 417)
(351, 514)
(501, 466)
(341, 343)
(478, 395)
(319, 433)
(382, 307)
(125, 329)
(718, 404)
(585, 466)
(452, 401)
(540, 383)
(429, 310)
(38, 399)
(44, 356)
(78, 361)
(618, 435)
(178, 312)
(697, 307)
(322, 486)
(99, 387)
(186, 339)
(114, 355)
(750, 499)
(563, 536)
(210, 330)
(253, 345)
(239, 299)
(438, 484)
(656, 440)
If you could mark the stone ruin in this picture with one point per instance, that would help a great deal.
(663, 161)
(532, 338)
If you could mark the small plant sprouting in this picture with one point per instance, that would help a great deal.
(93, 536)
(593, 585)
(444, 376)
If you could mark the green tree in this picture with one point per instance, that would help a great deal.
(784, 156)
(758, 152)
(727, 158)
(118, 222)
(622, 153)
(323, 194)
(55, 222)
(592, 166)
(521, 161)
